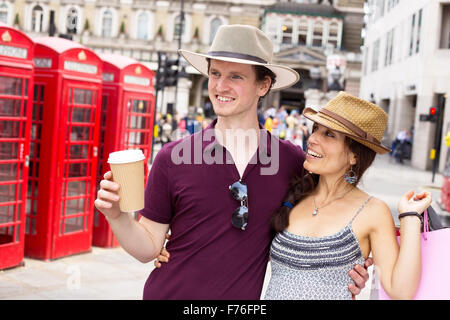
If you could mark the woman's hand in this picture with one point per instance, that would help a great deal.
(164, 255)
(417, 204)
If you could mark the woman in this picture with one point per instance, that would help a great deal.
(328, 224)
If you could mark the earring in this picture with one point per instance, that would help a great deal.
(350, 176)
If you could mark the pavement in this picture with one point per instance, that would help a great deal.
(112, 274)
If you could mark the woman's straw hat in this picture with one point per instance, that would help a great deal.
(359, 119)
(242, 44)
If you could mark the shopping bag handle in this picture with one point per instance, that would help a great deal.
(426, 227)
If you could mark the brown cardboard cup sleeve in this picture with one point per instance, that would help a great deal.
(127, 167)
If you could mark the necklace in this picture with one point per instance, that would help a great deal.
(316, 208)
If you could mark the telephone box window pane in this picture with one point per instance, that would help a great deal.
(8, 193)
(18, 233)
(35, 151)
(81, 115)
(36, 130)
(10, 129)
(79, 151)
(73, 224)
(75, 206)
(80, 133)
(78, 170)
(6, 235)
(10, 107)
(137, 122)
(139, 106)
(7, 214)
(37, 112)
(82, 96)
(9, 150)
(10, 86)
(74, 188)
(8, 172)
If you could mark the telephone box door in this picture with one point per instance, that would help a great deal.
(139, 123)
(77, 168)
(14, 143)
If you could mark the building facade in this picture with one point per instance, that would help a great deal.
(406, 70)
(322, 41)
(308, 35)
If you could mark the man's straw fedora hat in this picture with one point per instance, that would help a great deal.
(358, 119)
(242, 44)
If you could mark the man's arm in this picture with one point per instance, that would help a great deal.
(144, 239)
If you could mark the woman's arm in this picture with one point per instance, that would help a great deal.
(399, 269)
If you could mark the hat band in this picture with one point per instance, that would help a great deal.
(236, 55)
(357, 130)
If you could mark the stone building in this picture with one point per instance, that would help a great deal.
(406, 70)
(309, 35)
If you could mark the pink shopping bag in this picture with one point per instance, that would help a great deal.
(435, 280)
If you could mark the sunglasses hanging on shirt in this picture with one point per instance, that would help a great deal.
(239, 219)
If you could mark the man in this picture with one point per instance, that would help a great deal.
(218, 188)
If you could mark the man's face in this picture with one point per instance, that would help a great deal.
(233, 88)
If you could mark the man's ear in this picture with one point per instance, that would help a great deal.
(265, 86)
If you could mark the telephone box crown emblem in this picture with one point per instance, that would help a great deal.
(82, 55)
(6, 37)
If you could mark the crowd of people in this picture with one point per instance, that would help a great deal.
(285, 124)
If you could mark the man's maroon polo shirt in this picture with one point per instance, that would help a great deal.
(209, 258)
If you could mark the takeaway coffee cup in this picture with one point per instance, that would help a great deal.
(127, 167)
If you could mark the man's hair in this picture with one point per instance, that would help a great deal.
(261, 73)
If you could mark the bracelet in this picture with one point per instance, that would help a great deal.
(412, 213)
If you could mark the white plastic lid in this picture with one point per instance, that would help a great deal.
(125, 156)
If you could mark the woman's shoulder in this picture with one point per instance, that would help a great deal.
(377, 211)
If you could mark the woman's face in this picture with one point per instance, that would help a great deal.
(327, 152)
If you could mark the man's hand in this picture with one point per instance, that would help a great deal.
(360, 276)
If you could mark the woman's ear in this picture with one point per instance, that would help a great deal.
(352, 159)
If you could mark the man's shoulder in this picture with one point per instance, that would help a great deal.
(291, 148)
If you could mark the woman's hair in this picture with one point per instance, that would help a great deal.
(302, 186)
(261, 73)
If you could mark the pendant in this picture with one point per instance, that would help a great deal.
(316, 210)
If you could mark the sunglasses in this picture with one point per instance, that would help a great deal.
(239, 219)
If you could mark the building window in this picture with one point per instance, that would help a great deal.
(302, 31)
(215, 24)
(178, 29)
(445, 27)
(419, 25)
(333, 34)
(3, 13)
(72, 21)
(37, 18)
(375, 55)
(107, 20)
(389, 48)
(411, 41)
(317, 34)
(142, 26)
(287, 32)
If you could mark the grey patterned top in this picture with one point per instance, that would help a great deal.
(307, 268)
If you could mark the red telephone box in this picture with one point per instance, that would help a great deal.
(64, 142)
(128, 106)
(16, 84)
